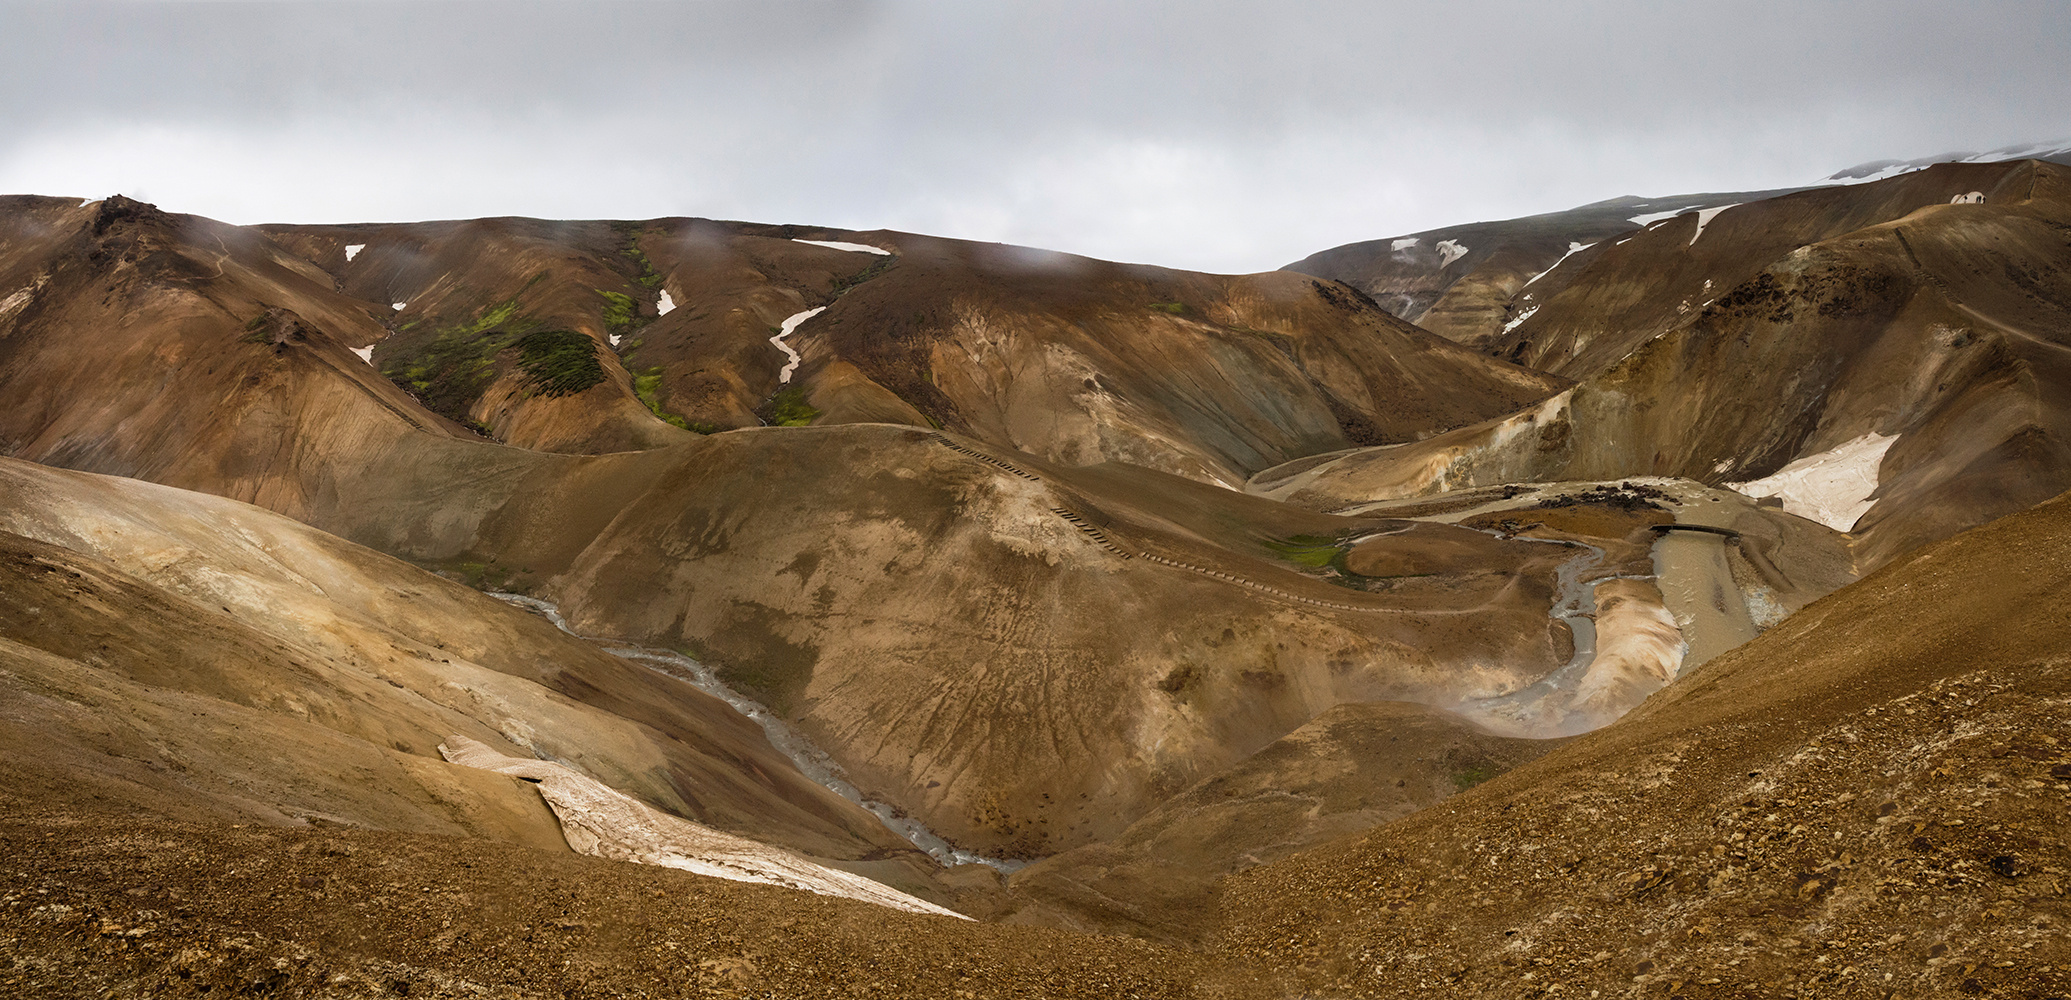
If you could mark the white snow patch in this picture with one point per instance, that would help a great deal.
(1521, 317)
(1652, 217)
(1573, 249)
(1973, 198)
(851, 247)
(1893, 168)
(398, 306)
(1449, 251)
(354, 250)
(1403, 243)
(366, 353)
(603, 822)
(791, 326)
(664, 304)
(83, 202)
(615, 338)
(1832, 487)
(1884, 174)
(1704, 218)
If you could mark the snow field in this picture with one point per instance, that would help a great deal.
(1573, 249)
(791, 326)
(1832, 487)
(851, 247)
(603, 822)
(1704, 218)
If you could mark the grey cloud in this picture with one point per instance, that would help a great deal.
(1216, 135)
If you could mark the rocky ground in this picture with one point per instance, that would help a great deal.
(97, 905)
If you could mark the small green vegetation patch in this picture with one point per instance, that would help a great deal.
(496, 316)
(630, 232)
(449, 369)
(1175, 308)
(482, 576)
(1469, 777)
(648, 386)
(790, 409)
(842, 285)
(448, 373)
(620, 312)
(559, 362)
(1313, 551)
(649, 278)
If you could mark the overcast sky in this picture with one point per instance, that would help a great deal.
(1218, 136)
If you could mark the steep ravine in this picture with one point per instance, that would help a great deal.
(810, 760)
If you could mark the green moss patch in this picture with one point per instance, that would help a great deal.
(559, 362)
(630, 232)
(648, 386)
(1469, 777)
(449, 369)
(841, 286)
(789, 408)
(621, 313)
(1312, 551)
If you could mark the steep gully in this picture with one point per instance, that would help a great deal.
(810, 760)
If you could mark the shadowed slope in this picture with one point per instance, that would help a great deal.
(1459, 281)
(1603, 304)
(1211, 377)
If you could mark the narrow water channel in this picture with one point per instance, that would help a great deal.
(810, 760)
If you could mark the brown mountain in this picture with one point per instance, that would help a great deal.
(1487, 682)
(1459, 281)
(1074, 359)
(1942, 325)
(1195, 624)
(1476, 283)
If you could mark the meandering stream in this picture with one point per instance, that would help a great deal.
(1697, 589)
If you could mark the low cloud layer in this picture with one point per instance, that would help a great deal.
(1229, 137)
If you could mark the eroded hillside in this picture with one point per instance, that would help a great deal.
(876, 552)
